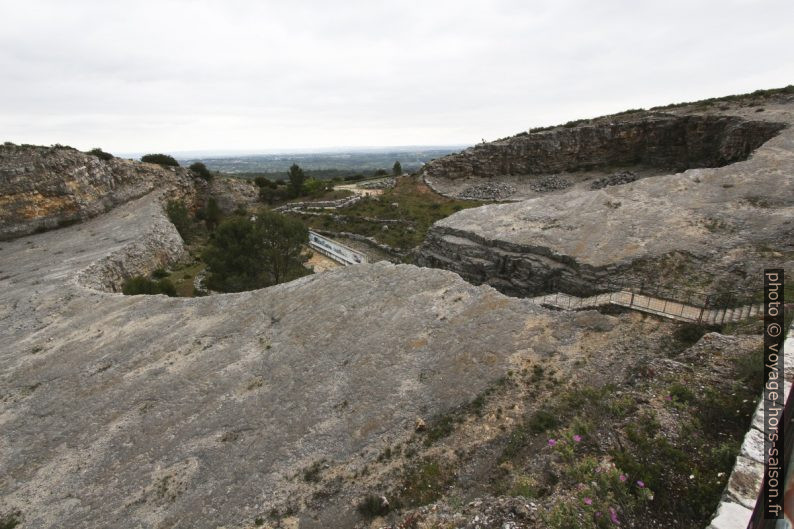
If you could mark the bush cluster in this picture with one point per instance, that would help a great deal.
(201, 170)
(160, 159)
(102, 155)
(142, 285)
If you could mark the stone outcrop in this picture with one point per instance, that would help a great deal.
(43, 188)
(232, 193)
(125, 411)
(702, 229)
(654, 139)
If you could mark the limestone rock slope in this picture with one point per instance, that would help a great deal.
(148, 411)
(655, 139)
(705, 228)
(233, 192)
(43, 188)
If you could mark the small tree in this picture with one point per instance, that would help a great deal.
(201, 170)
(397, 170)
(243, 254)
(160, 159)
(180, 218)
(315, 186)
(212, 214)
(296, 179)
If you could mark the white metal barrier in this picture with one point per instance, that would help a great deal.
(338, 252)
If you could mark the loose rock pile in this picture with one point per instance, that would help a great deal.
(386, 183)
(488, 191)
(550, 183)
(623, 177)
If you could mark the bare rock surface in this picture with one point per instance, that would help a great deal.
(148, 411)
(703, 223)
(46, 187)
(232, 193)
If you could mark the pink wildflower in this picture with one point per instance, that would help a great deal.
(613, 516)
(623, 478)
(552, 442)
(588, 501)
(577, 438)
(640, 484)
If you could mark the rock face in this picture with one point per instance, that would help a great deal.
(654, 139)
(232, 193)
(144, 411)
(46, 187)
(684, 229)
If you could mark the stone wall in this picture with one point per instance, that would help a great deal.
(659, 140)
(744, 485)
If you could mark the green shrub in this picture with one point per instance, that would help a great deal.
(681, 393)
(160, 159)
(313, 187)
(311, 473)
(102, 155)
(198, 168)
(263, 181)
(212, 214)
(689, 333)
(9, 521)
(160, 273)
(141, 285)
(179, 217)
(373, 506)
(542, 421)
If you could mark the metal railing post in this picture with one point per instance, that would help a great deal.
(703, 308)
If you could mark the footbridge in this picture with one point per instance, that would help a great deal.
(334, 250)
(666, 308)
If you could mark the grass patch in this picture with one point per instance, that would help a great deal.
(415, 203)
(424, 483)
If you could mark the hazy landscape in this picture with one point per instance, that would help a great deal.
(341, 163)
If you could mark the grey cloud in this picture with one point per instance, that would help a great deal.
(179, 75)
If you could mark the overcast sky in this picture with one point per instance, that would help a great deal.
(271, 75)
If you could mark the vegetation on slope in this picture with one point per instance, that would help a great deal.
(413, 205)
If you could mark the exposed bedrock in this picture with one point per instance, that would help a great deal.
(700, 229)
(42, 188)
(666, 141)
(149, 411)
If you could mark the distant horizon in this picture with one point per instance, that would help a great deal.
(231, 153)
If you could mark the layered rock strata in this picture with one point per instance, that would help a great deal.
(653, 139)
(43, 188)
(701, 229)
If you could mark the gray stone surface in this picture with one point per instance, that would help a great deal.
(148, 411)
(44, 188)
(720, 222)
(656, 139)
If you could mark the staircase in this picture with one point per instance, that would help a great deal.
(661, 307)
